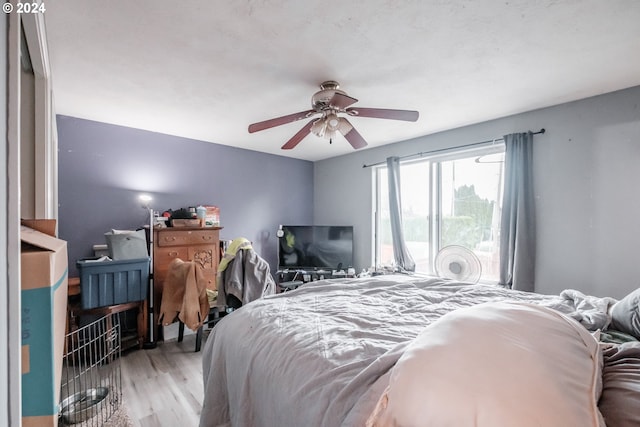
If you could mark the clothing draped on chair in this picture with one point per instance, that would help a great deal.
(243, 276)
(184, 295)
(517, 228)
(400, 251)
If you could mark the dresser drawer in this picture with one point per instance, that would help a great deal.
(162, 257)
(187, 237)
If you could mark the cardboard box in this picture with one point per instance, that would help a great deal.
(46, 226)
(44, 269)
(212, 218)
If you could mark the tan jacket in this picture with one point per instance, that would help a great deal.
(184, 295)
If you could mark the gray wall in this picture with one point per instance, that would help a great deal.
(586, 177)
(103, 168)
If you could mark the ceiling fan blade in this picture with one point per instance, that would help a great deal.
(295, 139)
(351, 134)
(382, 113)
(280, 121)
(341, 101)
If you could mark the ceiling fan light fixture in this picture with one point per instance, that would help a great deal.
(326, 127)
(332, 121)
(344, 126)
(319, 127)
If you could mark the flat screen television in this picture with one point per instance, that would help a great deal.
(315, 247)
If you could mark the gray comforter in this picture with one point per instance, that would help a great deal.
(321, 355)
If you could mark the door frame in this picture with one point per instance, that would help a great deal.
(33, 27)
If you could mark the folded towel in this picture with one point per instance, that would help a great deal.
(236, 245)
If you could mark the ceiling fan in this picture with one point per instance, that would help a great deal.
(328, 103)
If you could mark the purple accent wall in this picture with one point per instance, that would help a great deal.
(103, 169)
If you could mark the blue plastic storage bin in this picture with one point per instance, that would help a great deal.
(104, 283)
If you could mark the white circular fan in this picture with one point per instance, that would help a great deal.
(458, 263)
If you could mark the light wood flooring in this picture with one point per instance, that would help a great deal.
(163, 386)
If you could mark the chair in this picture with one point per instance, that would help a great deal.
(184, 298)
(213, 317)
(216, 312)
(243, 275)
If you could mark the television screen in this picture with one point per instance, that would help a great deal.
(315, 247)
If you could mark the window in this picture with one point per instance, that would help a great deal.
(446, 200)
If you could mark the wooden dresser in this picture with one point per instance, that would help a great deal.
(189, 244)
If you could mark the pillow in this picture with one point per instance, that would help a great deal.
(620, 400)
(625, 316)
(500, 364)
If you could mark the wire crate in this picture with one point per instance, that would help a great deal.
(91, 389)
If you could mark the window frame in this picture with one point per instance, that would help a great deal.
(435, 194)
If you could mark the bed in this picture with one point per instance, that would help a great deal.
(333, 353)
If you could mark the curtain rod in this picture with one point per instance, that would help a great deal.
(422, 153)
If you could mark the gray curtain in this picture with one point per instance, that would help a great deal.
(517, 228)
(400, 252)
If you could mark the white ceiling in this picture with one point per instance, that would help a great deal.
(206, 69)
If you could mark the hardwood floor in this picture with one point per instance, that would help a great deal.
(163, 386)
